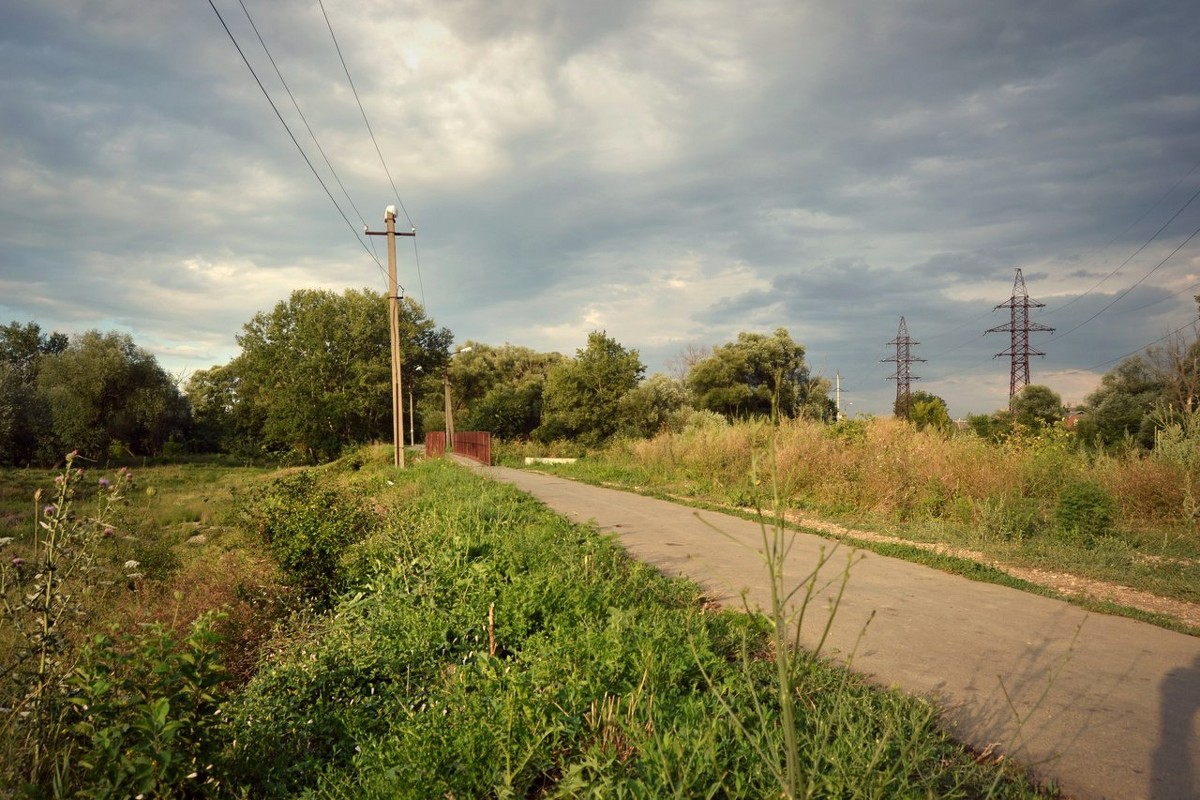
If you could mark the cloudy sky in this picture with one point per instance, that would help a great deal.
(671, 171)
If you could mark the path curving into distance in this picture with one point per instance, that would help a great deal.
(1110, 706)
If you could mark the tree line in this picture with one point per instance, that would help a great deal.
(313, 376)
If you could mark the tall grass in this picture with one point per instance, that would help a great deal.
(487, 647)
(1036, 499)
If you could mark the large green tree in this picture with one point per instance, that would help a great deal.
(103, 391)
(583, 395)
(1037, 406)
(499, 389)
(654, 405)
(745, 377)
(25, 425)
(926, 410)
(1119, 409)
(314, 373)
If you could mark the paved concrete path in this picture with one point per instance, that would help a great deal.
(1106, 707)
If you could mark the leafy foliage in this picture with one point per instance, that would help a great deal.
(314, 374)
(308, 525)
(103, 390)
(43, 598)
(1037, 406)
(929, 411)
(583, 395)
(658, 403)
(1085, 510)
(145, 717)
(745, 377)
(498, 389)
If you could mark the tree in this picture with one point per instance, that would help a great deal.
(25, 425)
(314, 374)
(1037, 407)
(652, 406)
(929, 411)
(499, 389)
(219, 422)
(104, 391)
(1119, 409)
(582, 395)
(746, 377)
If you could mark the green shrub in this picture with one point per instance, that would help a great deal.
(1010, 517)
(308, 525)
(1085, 510)
(145, 718)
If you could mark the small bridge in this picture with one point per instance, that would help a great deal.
(475, 445)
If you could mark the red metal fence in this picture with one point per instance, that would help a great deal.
(476, 445)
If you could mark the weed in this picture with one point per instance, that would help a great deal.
(44, 596)
(307, 525)
(1085, 510)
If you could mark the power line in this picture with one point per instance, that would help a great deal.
(283, 122)
(304, 119)
(375, 141)
(1131, 288)
(1144, 246)
(1146, 346)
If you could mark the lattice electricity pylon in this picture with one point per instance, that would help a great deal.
(1020, 327)
(903, 377)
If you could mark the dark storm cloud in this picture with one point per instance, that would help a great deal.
(673, 172)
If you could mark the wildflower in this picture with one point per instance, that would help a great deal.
(50, 510)
(6, 541)
(17, 561)
(131, 564)
(58, 480)
(105, 483)
(108, 532)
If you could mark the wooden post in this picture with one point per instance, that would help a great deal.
(394, 317)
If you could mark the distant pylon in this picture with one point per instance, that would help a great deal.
(1020, 327)
(904, 360)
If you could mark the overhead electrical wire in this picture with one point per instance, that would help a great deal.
(304, 119)
(1144, 347)
(283, 122)
(378, 150)
(1144, 246)
(1131, 288)
(1147, 243)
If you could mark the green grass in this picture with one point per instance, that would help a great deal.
(490, 648)
(1116, 558)
(484, 646)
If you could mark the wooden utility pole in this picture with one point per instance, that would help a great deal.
(389, 216)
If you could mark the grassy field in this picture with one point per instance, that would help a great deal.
(429, 633)
(1033, 501)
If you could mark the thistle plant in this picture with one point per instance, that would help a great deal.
(43, 600)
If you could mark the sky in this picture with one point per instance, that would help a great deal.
(672, 172)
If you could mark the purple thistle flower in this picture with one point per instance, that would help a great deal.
(17, 561)
(50, 510)
(105, 483)
(108, 532)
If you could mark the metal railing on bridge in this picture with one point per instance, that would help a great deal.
(476, 445)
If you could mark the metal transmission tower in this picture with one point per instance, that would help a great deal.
(904, 359)
(1020, 327)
